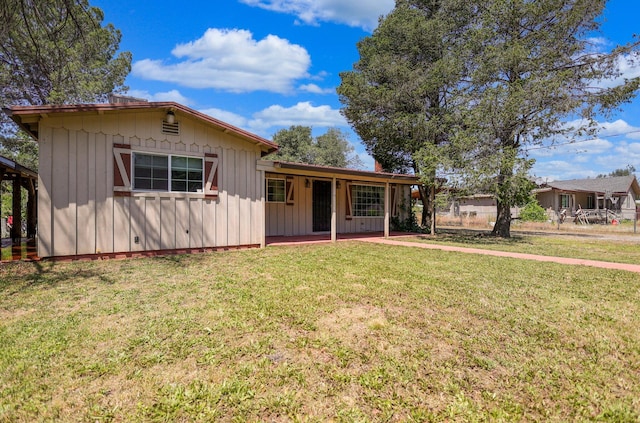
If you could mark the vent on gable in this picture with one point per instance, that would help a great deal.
(171, 128)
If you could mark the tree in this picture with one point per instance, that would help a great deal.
(504, 75)
(529, 66)
(296, 144)
(397, 97)
(629, 170)
(57, 51)
(333, 149)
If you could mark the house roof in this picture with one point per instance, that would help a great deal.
(328, 171)
(614, 184)
(27, 117)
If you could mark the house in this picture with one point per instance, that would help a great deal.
(618, 194)
(480, 206)
(148, 177)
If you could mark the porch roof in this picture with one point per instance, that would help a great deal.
(10, 167)
(303, 169)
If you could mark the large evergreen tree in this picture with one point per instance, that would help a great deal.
(471, 84)
(398, 97)
(529, 67)
(57, 51)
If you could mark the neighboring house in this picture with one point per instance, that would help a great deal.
(474, 206)
(160, 177)
(618, 193)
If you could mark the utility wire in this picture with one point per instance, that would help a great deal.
(543, 147)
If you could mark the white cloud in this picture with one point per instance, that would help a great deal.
(628, 66)
(173, 95)
(303, 113)
(228, 117)
(314, 89)
(231, 60)
(356, 13)
(267, 121)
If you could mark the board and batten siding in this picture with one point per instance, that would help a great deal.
(79, 214)
(296, 218)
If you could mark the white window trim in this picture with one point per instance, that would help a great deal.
(351, 199)
(169, 157)
(284, 182)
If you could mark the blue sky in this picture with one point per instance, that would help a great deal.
(264, 65)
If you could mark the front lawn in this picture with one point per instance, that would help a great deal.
(623, 250)
(344, 332)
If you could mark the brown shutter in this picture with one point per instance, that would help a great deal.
(289, 190)
(121, 169)
(211, 175)
(348, 204)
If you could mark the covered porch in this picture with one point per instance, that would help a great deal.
(326, 238)
(324, 203)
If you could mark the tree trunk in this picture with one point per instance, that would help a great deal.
(425, 205)
(502, 227)
(432, 203)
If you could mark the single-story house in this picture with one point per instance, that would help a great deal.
(135, 177)
(617, 193)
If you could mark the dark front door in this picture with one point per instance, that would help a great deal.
(321, 206)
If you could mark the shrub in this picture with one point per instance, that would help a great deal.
(533, 212)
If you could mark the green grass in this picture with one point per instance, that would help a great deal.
(343, 332)
(573, 246)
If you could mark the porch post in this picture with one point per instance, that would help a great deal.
(31, 208)
(334, 218)
(16, 229)
(263, 195)
(387, 204)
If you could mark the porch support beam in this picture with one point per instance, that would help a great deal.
(16, 229)
(387, 207)
(31, 208)
(263, 200)
(334, 216)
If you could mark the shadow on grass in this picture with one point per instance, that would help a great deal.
(22, 276)
(472, 237)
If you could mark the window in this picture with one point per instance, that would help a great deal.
(156, 173)
(590, 203)
(275, 190)
(367, 200)
(564, 201)
(150, 172)
(186, 174)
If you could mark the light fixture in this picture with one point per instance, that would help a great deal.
(307, 183)
(171, 117)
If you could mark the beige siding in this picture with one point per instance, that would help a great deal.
(297, 219)
(77, 210)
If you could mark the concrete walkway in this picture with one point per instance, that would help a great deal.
(562, 260)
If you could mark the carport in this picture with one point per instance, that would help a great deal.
(21, 178)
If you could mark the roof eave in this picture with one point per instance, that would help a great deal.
(304, 169)
(18, 113)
